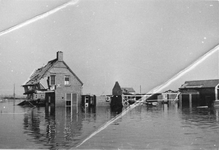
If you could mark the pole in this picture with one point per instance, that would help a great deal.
(140, 89)
(14, 94)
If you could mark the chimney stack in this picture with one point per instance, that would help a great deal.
(60, 56)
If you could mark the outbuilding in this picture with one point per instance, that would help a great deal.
(199, 92)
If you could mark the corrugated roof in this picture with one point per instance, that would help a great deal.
(200, 84)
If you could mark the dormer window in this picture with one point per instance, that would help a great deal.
(67, 80)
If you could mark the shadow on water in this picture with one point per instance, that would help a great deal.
(63, 127)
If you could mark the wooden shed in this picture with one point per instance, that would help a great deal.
(199, 92)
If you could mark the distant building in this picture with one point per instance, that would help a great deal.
(155, 97)
(128, 90)
(116, 103)
(170, 95)
(54, 83)
(126, 94)
(166, 96)
(117, 90)
(199, 92)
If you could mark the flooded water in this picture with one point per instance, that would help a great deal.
(144, 127)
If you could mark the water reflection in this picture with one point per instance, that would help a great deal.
(162, 127)
(115, 112)
(60, 128)
(63, 127)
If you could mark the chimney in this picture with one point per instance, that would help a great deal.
(60, 56)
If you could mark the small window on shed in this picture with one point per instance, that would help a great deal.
(67, 80)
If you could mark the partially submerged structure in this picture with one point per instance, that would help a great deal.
(116, 103)
(164, 97)
(127, 90)
(123, 95)
(199, 92)
(55, 84)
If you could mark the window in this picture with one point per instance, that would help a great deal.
(71, 99)
(68, 100)
(67, 80)
(53, 82)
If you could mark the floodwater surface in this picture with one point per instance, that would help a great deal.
(144, 127)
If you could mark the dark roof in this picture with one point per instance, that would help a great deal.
(200, 84)
(170, 91)
(117, 89)
(41, 73)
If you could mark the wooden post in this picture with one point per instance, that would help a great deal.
(14, 94)
(140, 89)
(216, 102)
(180, 100)
(216, 94)
(190, 100)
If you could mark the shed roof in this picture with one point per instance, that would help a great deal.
(200, 84)
(40, 73)
(127, 89)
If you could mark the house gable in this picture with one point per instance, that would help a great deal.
(61, 69)
(117, 89)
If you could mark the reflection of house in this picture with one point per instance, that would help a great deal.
(55, 82)
(199, 92)
(59, 129)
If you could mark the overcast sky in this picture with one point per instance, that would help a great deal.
(135, 42)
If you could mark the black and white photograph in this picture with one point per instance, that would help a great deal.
(109, 74)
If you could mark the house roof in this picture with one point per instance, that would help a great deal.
(128, 89)
(40, 73)
(117, 89)
(200, 84)
(170, 91)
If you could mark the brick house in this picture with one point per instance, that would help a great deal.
(55, 83)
